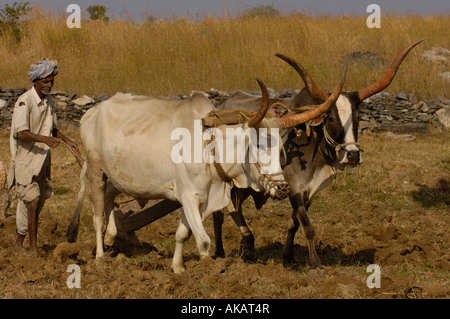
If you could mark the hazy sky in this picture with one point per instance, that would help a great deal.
(136, 9)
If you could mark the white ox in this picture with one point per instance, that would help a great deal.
(128, 144)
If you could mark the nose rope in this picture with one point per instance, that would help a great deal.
(338, 146)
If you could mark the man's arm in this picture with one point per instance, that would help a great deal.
(26, 135)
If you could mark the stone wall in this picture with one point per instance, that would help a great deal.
(382, 112)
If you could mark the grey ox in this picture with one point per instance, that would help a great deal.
(129, 147)
(313, 160)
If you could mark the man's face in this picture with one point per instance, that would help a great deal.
(44, 86)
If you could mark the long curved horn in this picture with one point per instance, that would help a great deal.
(388, 76)
(296, 119)
(259, 116)
(315, 92)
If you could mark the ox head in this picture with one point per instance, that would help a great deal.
(342, 119)
(268, 175)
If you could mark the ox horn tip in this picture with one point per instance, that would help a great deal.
(262, 85)
(416, 43)
(284, 57)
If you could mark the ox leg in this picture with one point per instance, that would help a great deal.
(193, 217)
(97, 182)
(299, 214)
(182, 234)
(288, 253)
(247, 246)
(218, 222)
(111, 229)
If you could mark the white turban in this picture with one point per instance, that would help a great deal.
(42, 69)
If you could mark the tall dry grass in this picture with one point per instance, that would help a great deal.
(171, 57)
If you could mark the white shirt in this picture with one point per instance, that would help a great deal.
(39, 117)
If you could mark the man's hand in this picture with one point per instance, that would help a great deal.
(52, 142)
(72, 145)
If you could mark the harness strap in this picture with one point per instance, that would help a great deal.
(222, 174)
(336, 145)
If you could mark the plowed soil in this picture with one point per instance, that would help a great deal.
(393, 212)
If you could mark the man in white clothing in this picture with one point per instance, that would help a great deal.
(33, 132)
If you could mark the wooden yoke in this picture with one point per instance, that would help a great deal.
(226, 117)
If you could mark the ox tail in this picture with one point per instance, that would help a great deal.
(72, 231)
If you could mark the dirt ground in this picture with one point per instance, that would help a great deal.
(391, 213)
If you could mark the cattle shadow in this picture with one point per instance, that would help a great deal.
(329, 256)
(429, 197)
(273, 252)
(129, 249)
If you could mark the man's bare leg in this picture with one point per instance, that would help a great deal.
(34, 208)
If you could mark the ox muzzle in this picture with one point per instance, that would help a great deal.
(274, 186)
(349, 154)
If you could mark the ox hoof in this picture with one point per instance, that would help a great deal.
(314, 261)
(178, 270)
(219, 253)
(109, 240)
(315, 265)
(288, 261)
(247, 248)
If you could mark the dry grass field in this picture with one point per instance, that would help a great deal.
(177, 56)
(393, 211)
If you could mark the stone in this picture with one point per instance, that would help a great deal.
(400, 137)
(436, 55)
(363, 125)
(60, 106)
(425, 118)
(443, 116)
(366, 57)
(417, 106)
(444, 76)
(82, 101)
(424, 108)
(402, 96)
(412, 98)
(101, 97)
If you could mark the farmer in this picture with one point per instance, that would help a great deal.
(33, 133)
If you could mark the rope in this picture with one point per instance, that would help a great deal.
(64, 164)
(336, 145)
